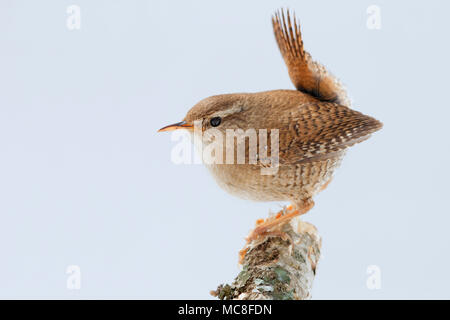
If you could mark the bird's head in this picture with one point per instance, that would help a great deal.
(227, 111)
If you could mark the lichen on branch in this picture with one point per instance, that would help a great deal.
(278, 266)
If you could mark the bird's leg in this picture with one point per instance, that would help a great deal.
(278, 215)
(291, 212)
(267, 227)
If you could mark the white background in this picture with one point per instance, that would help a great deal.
(85, 179)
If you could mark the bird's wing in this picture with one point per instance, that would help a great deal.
(321, 130)
(307, 75)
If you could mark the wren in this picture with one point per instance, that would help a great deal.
(315, 127)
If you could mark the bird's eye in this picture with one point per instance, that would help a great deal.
(215, 121)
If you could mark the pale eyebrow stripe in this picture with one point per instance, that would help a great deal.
(224, 113)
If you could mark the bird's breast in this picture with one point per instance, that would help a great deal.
(289, 183)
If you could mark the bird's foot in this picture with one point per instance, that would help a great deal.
(267, 226)
(272, 225)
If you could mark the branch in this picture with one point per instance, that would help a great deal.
(280, 266)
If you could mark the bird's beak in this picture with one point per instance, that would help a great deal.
(176, 126)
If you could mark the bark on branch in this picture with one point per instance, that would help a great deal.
(280, 266)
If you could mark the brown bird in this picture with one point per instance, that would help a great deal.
(315, 127)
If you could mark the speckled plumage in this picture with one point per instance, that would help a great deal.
(313, 137)
(315, 123)
(296, 183)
